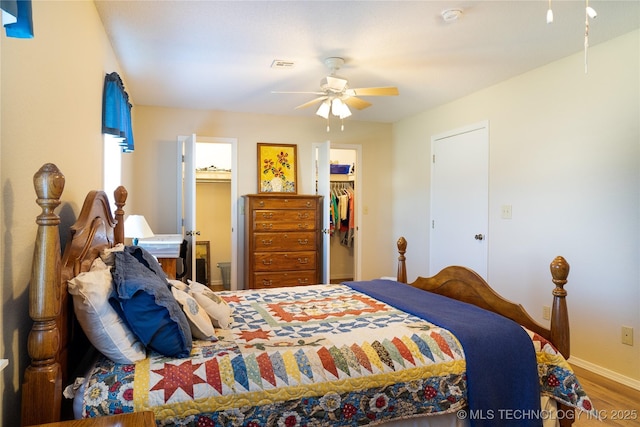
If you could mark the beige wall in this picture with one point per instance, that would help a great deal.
(51, 112)
(154, 189)
(565, 153)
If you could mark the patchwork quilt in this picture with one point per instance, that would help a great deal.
(322, 355)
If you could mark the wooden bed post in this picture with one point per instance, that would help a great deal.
(559, 315)
(402, 266)
(120, 195)
(42, 382)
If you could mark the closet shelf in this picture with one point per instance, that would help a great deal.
(335, 177)
(213, 176)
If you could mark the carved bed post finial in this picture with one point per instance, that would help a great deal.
(559, 315)
(402, 267)
(120, 195)
(44, 304)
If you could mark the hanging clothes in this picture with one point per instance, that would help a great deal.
(342, 218)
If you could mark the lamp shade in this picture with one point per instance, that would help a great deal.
(136, 227)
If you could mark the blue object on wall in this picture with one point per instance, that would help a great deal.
(20, 23)
(116, 111)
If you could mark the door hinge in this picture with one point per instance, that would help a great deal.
(433, 224)
(433, 159)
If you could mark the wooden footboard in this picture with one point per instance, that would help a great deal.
(466, 285)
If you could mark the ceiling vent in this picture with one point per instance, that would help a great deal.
(451, 15)
(279, 63)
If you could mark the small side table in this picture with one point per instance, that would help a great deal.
(169, 266)
(135, 419)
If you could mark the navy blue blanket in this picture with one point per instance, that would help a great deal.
(502, 375)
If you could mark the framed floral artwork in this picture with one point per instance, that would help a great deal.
(277, 168)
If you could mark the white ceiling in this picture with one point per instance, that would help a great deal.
(217, 55)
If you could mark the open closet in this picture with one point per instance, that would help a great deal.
(343, 219)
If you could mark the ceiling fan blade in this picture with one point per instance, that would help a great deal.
(335, 83)
(312, 102)
(373, 91)
(311, 93)
(357, 103)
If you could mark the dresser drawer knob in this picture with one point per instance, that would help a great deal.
(266, 282)
(267, 261)
(303, 261)
(303, 242)
(303, 226)
(267, 242)
(303, 281)
(261, 203)
(267, 215)
(303, 215)
(308, 204)
(267, 226)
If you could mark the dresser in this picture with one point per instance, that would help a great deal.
(283, 242)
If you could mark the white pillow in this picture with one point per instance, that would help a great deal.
(216, 307)
(99, 321)
(199, 321)
(107, 254)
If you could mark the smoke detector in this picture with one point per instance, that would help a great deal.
(451, 15)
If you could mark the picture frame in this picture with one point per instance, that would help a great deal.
(277, 168)
(203, 263)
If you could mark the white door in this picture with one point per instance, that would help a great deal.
(189, 220)
(321, 159)
(460, 199)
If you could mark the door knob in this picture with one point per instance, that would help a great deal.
(479, 237)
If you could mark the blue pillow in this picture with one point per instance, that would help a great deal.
(143, 299)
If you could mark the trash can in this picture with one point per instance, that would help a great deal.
(225, 272)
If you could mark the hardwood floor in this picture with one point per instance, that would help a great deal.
(619, 405)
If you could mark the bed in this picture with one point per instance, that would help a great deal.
(357, 353)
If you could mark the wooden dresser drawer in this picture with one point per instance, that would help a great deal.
(282, 261)
(292, 241)
(284, 226)
(290, 215)
(285, 278)
(283, 203)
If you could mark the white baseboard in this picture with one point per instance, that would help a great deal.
(607, 373)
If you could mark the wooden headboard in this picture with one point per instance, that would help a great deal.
(54, 335)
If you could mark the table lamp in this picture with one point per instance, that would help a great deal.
(136, 227)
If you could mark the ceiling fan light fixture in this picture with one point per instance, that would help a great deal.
(336, 106)
(324, 109)
(345, 112)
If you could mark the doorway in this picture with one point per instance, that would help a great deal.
(460, 199)
(341, 247)
(343, 204)
(213, 214)
(207, 215)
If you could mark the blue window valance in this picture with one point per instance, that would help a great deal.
(116, 111)
(17, 19)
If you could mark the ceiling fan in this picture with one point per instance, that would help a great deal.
(335, 97)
